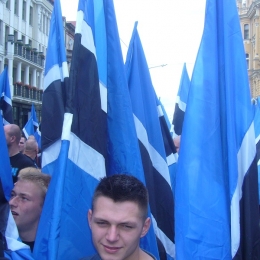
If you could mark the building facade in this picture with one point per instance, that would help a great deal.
(249, 11)
(24, 31)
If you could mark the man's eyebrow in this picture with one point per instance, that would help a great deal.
(23, 194)
(128, 223)
(100, 219)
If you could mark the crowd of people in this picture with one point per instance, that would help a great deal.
(118, 217)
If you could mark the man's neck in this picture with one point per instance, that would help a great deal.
(144, 255)
(13, 151)
(28, 236)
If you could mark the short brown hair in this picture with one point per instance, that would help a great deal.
(121, 188)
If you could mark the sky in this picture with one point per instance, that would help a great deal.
(170, 31)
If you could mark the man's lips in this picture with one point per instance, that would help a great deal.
(111, 249)
(14, 213)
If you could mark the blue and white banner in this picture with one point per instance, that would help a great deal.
(147, 112)
(32, 125)
(217, 214)
(5, 98)
(181, 103)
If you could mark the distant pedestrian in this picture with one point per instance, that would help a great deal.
(21, 144)
(31, 150)
(18, 161)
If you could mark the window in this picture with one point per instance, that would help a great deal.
(30, 79)
(43, 23)
(30, 43)
(31, 16)
(7, 4)
(47, 26)
(246, 32)
(22, 75)
(16, 2)
(247, 60)
(24, 11)
(6, 33)
(14, 72)
(15, 36)
(23, 39)
(1, 32)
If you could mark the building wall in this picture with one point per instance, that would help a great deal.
(249, 12)
(29, 22)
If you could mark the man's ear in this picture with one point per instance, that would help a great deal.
(89, 217)
(146, 227)
(13, 139)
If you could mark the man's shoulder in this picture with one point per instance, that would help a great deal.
(149, 255)
(93, 257)
(21, 161)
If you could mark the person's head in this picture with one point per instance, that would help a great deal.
(12, 136)
(21, 144)
(27, 200)
(31, 148)
(118, 218)
(177, 143)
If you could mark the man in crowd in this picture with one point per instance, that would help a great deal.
(22, 143)
(31, 150)
(177, 143)
(18, 161)
(26, 202)
(118, 218)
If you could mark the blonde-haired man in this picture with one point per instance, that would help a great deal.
(26, 202)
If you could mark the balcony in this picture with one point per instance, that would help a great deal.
(243, 11)
(27, 93)
(29, 54)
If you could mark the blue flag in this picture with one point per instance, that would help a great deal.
(123, 149)
(32, 123)
(92, 117)
(37, 135)
(165, 114)
(151, 142)
(257, 139)
(181, 102)
(74, 145)
(216, 196)
(11, 246)
(5, 98)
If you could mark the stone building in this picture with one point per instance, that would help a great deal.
(24, 33)
(249, 11)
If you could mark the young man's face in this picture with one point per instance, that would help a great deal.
(117, 228)
(21, 144)
(26, 206)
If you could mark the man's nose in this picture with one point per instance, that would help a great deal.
(13, 201)
(112, 234)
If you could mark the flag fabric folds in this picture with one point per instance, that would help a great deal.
(165, 114)
(216, 200)
(257, 139)
(90, 129)
(10, 246)
(123, 149)
(151, 143)
(32, 124)
(5, 98)
(181, 102)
